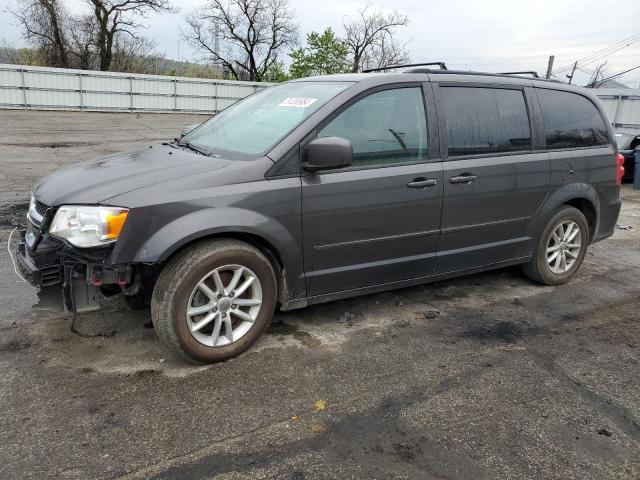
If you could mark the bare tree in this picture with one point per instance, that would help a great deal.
(117, 17)
(19, 56)
(370, 38)
(245, 37)
(43, 25)
(135, 55)
(386, 52)
(82, 42)
(597, 75)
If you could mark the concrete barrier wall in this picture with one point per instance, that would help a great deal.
(41, 88)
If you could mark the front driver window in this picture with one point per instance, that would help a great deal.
(385, 127)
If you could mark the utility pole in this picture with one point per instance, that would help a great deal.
(550, 65)
(216, 45)
(573, 70)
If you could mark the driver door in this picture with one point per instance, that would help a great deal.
(376, 222)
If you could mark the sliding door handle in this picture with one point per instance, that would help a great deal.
(464, 179)
(422, 182)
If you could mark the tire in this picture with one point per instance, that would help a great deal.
(539, 268)
(175, 292)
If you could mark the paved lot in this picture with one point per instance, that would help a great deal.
(488, 376)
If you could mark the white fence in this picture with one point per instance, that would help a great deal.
(41, 88)
(622, 105)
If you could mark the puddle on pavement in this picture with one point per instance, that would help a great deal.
(13, 213)
(501, 331)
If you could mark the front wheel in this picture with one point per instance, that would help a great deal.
(561, 248)
(213, 301)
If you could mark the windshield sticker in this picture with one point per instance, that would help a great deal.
(299, 102)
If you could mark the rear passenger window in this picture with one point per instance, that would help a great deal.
(485, 120)
(570, 120)
(384, 127)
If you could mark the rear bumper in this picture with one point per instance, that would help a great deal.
(608, 218)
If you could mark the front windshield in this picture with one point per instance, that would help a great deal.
(250, 127)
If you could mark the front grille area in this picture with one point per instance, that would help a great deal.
(36, 217)
(40, 270)
(41, 208)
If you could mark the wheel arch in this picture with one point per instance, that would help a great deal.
(280, 245)
(588, 209)
(578, 195)
(258, 242)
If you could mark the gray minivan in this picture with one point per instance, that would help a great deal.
(324, 188)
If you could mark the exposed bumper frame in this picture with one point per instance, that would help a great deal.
(76, 274)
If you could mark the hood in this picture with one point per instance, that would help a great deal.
(97, 180)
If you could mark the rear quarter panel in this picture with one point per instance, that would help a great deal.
(584, 173)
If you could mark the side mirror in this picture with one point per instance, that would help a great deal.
(189, 129)
(327, 153)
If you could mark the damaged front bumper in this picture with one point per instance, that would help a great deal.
(70, 278)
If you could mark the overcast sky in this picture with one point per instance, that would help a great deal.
(489, 35)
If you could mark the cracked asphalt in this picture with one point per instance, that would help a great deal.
(487, 376)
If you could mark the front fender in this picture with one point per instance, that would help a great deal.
(559, 197)
(156, 246)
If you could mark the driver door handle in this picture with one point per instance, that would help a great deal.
(464, 178)
(422, 182)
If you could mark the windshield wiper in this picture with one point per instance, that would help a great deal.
(199, 150)
(398, 137)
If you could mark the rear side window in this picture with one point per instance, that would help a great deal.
(485, 120)
(570, 120)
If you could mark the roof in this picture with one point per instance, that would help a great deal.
(375, 79)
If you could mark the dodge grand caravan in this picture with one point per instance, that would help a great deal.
(324, 188)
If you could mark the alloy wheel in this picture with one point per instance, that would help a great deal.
(563, 246)
(224, 305)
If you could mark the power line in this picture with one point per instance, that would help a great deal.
(626, 42)
(588, 71)
(616, 75)
(607, 50)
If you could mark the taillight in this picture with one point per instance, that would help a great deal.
(620, 168)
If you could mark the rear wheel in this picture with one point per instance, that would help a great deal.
(561, 248)
(214, 300)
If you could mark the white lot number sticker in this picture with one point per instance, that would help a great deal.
(299, 102)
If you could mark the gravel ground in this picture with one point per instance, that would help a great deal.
(487, 376)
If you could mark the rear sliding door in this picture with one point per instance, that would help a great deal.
(496, 175)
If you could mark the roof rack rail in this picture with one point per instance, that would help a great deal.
(442, 65)
(483, 74)
(525, 72)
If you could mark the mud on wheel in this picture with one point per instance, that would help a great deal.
(213, 300)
